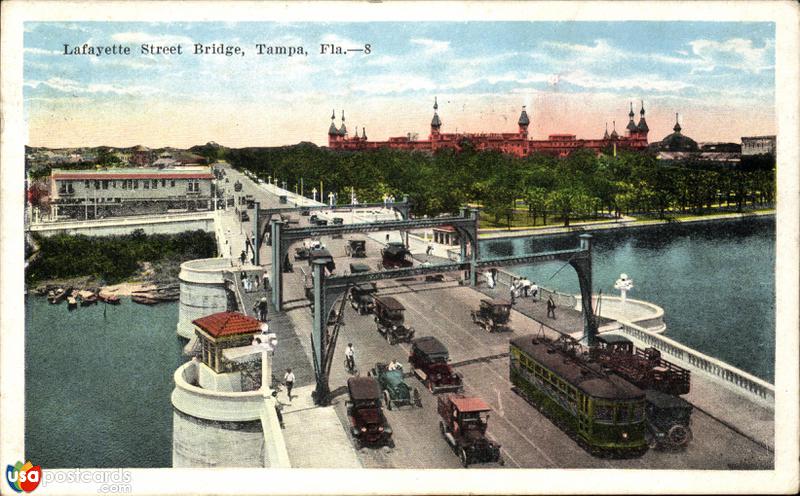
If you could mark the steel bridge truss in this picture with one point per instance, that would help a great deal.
(328, 289)
(466, 225)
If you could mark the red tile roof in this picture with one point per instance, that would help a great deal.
(470, 404)
(228, 324)
(140, 175)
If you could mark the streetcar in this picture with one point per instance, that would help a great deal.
(603, 412)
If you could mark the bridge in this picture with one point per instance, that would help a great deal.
(733, 420)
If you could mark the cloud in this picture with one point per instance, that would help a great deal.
(648, 82)
(735, 53)
(156, 39)
(40, 51)
(75, 87)
(393, 83)
(431, 47)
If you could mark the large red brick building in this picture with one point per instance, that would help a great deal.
(518, 144)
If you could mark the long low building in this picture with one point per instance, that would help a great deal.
(92, 194)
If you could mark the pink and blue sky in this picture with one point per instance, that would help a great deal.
(573, 77)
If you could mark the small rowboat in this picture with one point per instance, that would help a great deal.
(72, 303)
(109, 298)
(87, 298)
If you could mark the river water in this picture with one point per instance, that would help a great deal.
(716, 282)
(98, 386)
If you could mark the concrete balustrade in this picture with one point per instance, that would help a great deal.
(118, 226)
(208, 404)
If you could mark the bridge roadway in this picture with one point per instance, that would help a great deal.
(529, 439)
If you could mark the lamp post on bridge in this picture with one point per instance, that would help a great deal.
(314, 192)
(330, 199)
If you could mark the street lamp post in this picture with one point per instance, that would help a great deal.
(314, 192)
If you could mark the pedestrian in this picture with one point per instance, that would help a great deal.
(430, 248)
(387, 238)
(525, 284)
(350, 357)
(265, 282)
(288, 379)
(244, 281)
(489, 280)
(551, 307)
(534, 290)
(243, 256)
(255, 283)
(262, 309)
(512, 290)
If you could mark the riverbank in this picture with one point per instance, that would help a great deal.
(622, 223)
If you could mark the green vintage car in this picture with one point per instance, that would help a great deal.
(395, 391)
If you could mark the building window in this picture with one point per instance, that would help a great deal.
(105, 184)
(172, 183)
(163, 183)
(135, 184)
(86, 184)
(114, 184)
(125, 184)
(155, 183)
(146, 184)
(197, 186)
(96, 184)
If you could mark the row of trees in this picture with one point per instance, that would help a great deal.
(114, 258)
(579, 186)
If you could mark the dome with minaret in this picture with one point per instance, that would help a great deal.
(343, 129)
(677, 142)
(332, 131)
(643, 128)
(523, 118)
(606, 135)
(436, 122)
(631, 127)
(614, 134)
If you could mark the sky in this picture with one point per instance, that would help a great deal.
(572, 76)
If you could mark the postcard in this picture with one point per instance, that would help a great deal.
(399, 247)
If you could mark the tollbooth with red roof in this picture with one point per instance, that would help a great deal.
(225, 345)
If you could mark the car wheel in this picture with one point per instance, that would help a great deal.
(430, 385)
(391, 339)
(387, 400)
(417, 398)
(442, 428)
(464, 457)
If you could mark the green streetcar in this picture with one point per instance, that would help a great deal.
(603, 412)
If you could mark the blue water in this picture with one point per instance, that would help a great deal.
(98, 387)
(716, 282)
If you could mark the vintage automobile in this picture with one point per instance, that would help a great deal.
(244, 217)
(250, 201)
(394, 256)
(320, 222)
(644, 368)
(463, 425)
(368, 425)
(668, 421)
(323, 254)
(395, 391)
(337, 221)
(237, 186)
(390, 320)
(429, 361)
(305, 212)
(362, 297)
(358, 268)
(493, 315)
(303, 252)
(356, 248)
(313, 218)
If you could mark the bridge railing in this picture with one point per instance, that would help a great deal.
(740, 379)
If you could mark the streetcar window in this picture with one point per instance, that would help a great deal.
(638, 412)
(604, 414)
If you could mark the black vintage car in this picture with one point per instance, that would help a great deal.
(324, 255)
(493, 315)
(394, 256)
(390, 320)
(429, 362)
(337, 221)
(305, 212)
(237, 186)
(356, 248)
(362, 297)
(368, 425)
(358, 268)
(669, 421)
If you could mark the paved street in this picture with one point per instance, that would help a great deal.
(443, 310)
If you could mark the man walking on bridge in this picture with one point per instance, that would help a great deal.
(262, 309)
(551, 307)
